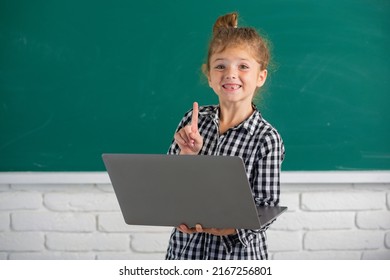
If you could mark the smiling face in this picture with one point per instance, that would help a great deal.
(235, 75)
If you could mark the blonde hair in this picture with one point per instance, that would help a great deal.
(226, 33)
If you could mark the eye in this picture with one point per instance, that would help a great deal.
(219, 67)
(243, 67)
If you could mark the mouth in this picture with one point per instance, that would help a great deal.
(231, 86)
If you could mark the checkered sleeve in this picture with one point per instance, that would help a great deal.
(266, 180)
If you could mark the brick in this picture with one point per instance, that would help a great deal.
(51, 256)
(317, 255)
(355, 200)
(314, 221)
(105, 188)
(20, 200)
(150, 242)
(46, 221)
(372, 186)
(4, 187)
(87, 242)
(317, 187)
(376, 255)
(4, 221)
(284, 240)
(291, 200)
(17, 241)
(388, 200)
(343, 240)
(387, 240)
(45, 188)
(373, 220)
(81, 202)
(130, 256)
(114, 222)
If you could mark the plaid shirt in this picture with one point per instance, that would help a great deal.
(262, 150)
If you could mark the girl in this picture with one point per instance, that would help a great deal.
(236, 69)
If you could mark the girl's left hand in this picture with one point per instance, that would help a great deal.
(198, 229)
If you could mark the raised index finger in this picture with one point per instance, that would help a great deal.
(194, 119)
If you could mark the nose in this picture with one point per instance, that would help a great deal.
(231, 73)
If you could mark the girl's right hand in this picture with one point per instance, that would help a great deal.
(188, 138)
(199, 229)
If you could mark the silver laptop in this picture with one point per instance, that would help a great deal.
(169, 190)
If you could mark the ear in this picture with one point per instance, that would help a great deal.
(261, 78)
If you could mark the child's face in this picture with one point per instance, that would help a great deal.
(235, 75)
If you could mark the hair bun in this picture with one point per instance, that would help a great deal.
(226, 21)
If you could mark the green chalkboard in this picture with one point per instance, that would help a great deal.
(79, 78)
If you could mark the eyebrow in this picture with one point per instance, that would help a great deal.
(240, 59)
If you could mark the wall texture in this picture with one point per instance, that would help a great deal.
(68, 220)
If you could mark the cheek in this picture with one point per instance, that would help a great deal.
(212, 83)
(209, 80)
(213, 80)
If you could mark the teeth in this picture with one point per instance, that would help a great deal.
(232, 87)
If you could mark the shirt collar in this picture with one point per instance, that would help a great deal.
(250, 124)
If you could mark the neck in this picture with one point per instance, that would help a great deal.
(231, 115)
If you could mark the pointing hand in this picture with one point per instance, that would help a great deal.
(188, 138)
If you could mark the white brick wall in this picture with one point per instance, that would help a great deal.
(57, 217)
